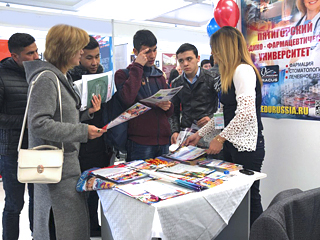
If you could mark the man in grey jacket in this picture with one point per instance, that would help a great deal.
(13, 100)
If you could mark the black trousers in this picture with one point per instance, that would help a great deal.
(252, 161)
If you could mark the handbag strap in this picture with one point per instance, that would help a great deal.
(27, 107)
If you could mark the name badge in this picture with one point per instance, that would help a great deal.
(218, 120)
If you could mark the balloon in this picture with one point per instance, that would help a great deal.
(212, 27)
(227, 13)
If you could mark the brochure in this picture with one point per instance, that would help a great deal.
(220, 165)
(134, 111)
(186, 153)
(183, 135)
(151, 191)
(95, 84)
(162, 95)
(118, 175)
(187, 170)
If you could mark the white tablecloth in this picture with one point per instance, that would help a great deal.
(200, 215)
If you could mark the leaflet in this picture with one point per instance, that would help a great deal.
(162, 95)
(133, 112)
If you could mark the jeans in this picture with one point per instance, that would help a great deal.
(14, 198)
(137, 151)
(252, 161)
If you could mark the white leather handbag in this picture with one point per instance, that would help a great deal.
(41, 164)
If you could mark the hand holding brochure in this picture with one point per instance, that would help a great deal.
(134, 111)
(162, 95)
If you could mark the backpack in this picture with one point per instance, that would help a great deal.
(115, 137)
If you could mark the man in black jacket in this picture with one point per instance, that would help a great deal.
(13, 100)
(94, 152)
(197, 101)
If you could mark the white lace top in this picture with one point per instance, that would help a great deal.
(242, 131)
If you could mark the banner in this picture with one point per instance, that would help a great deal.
(4, 51)
(106, 52)
(283, 43)
(169, 62)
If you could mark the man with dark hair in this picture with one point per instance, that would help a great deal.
(148, 134)
(89, 62)
(205, 63)
(13, 100)
(198, 97)
(94, 152)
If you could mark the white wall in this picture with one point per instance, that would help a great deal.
(291, 145)
(291, 156)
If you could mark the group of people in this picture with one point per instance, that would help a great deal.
(61, 212)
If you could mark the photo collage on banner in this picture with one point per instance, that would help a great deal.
(282, 38)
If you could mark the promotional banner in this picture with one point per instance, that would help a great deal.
(4, 51)
(169, 62)
(106, 52)
(282, 38)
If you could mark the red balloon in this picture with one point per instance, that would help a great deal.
(227, 13)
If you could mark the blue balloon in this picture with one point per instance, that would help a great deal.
(212, 27)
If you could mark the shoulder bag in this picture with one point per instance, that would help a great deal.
(41, 164)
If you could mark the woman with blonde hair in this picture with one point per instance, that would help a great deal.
(241, 138)
(60, 212)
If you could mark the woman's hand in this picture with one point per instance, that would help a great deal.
(216, 145)
(192, 140)
(94, 132)
(96, 104)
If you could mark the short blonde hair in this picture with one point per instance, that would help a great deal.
(301, 7)
(229, 49)
(62, 43)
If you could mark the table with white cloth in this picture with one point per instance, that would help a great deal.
(198, 215)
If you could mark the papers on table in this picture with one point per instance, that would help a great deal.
(95, 84)
(162, 95)
(134, 111)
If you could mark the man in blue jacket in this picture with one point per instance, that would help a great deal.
(13, 100)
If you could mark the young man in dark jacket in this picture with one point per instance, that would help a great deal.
(198, 97)
(94, 152)
(148, 134)
(13, 101)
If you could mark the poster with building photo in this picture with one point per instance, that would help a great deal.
(283, 44)
(169, 62)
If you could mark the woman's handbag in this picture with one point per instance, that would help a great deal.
(41, 164)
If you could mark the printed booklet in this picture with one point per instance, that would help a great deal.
(95, 84)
